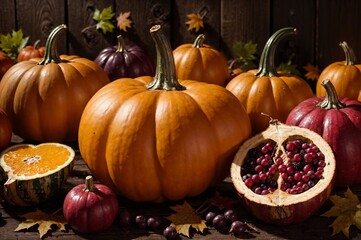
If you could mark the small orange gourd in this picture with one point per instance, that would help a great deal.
(345, 76)
(201, 62)
(266, 91)
(45, 97)
(28, 52)
(158, 139)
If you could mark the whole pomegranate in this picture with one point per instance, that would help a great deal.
(338, 121)
(5, 130)
(284, 174)
(90, 208)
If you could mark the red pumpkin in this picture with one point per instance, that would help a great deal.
(5, 63)
(338, 121)
(125, 60)
(90, 208)
(5, 130)
(201, 62)
(29, 52)
(266, 91)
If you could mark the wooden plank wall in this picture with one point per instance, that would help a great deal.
(321, 24)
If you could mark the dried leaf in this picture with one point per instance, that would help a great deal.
(44, 220)
(222, 202)
(312, 72)
(347, 211)
(185, 218)
(103, 18)
(123, 21)
(195, 22)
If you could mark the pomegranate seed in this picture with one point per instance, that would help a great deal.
(258, 168)
(305, 178)
(248, 182)
(297, 157)
(255, 178)
(263, 177)
(282, 168)
(297, 176)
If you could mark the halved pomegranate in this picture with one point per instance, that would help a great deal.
(284, 174)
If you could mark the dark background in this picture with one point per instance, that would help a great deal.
(322, 24)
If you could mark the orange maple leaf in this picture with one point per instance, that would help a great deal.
(123, 21)
(312, 72)
(195, 22)
(185, 218)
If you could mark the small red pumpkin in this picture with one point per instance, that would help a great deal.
(125, 60)
(29, 52)
(338, 121)
(90, 208)
(5, 130)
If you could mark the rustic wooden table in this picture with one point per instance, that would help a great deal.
(316, 227)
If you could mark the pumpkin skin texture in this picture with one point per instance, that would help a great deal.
(338, 121)
(266, 91)
(29, 52)
(161, 139)
(44, 98)
(5, 130)
(125, 61)
(90, 208)
(344, 75)
(201, 62)
(5, 63)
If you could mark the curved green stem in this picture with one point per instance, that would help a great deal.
(350, 57)
(165, 74)
(121, 44)
(331, 99)
(198, 43)
(51, 53)
(267, 62)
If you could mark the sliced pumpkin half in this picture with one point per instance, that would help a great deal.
(30, 174)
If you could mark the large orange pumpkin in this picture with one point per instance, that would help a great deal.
(201, 62)
(266, 91)
(157, 139)
(344, 75)
(44, 98)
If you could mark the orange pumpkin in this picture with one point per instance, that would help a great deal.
(201, 62)
(29, 52)
(344, 75)
(266, 91)
(5, 63)
(44, 98)
(157, 139)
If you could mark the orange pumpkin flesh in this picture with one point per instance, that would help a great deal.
(344, 75)
(160, 139)
(201, 62)
(44, 98)
(266, 91)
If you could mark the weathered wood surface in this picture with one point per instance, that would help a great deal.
(322, 24)
(315, 228)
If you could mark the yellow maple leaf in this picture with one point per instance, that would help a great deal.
(347, 211)
(185, 218)
(312, 72)
(195, 22)
(123, 21)
(44, 220)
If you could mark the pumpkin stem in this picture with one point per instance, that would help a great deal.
(331, 100)
(37, 44)
(89, 184)
(51, 53)
(198, 43)
(350, 57)
(121, 44)
(267, 62)
(165, 75)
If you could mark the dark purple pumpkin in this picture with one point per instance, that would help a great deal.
(125, 60)
(338, 121)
